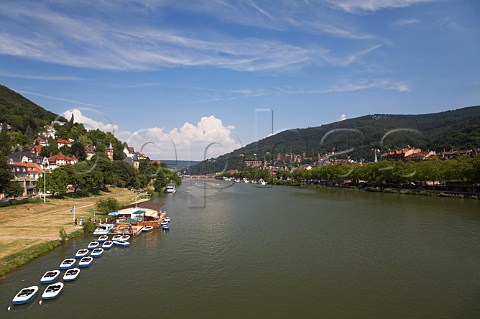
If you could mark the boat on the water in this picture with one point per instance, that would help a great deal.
(125, 238)
(108, 244)
(146, 229)
(71, 274)
(50, 276)
(167, 219)
(170, 188)
(102, 238)
(121, 243)
(85, 262)
(81, 253)
(25, 295)
(97, 252)
(165, 226)
(52, 290)
(103, 229)
(93, 245)
(117, 237)
(67, 263)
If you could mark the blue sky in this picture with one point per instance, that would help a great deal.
(180, 75)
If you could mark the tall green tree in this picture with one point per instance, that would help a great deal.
(13, 189)
(5, 174)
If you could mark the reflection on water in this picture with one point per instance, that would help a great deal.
(247, 252)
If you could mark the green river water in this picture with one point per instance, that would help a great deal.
(242, 251)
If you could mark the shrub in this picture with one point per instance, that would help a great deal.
(107, 205)
(88, 227)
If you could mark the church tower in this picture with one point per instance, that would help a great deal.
(110, 152)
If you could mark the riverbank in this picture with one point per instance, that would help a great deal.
(30, 230)
(390, 189)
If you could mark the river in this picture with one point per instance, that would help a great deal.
(242, 251)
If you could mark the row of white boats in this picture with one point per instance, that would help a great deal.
(85, 257)
(54, 288)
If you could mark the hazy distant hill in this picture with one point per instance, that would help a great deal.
(22, 114)
(179, 164)
(458, 129)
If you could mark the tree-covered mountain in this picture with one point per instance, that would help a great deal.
(357, 137)
(22, 114)
(21, 121)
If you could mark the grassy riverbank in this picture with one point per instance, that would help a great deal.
(30, 230)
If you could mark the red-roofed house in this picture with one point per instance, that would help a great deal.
(58, 160)
(37, 149)
(41, 141)
(62, 143)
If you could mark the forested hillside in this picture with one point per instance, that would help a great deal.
(457, 129)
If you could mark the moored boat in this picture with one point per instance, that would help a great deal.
(81, 253)
(103, 229)
(50, 276)
(170, 188)
(102, 238)
(125, 238)
(121, 243)
(52, 290)
(117, 237)
(108, 244)
(71, 274)
(93, 245)
(67, 263)
(85, 262)
(97, 252)
(147, 228)
(25, 295)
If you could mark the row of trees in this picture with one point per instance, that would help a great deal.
(463, 169)
(91, 176)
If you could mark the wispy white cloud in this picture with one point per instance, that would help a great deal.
(406, 22)
(349, 86)
(79, 41)
(58, 98)
(361, 6)
(43, 77)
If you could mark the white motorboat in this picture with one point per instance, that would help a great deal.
(125, 238)
(147, 228)
(97, 252)
(50, 276)
(108, 244)
(103, 229)
(85, 262)
(52, 290)
(121, 243)
(117, 237)
(93, 245)
(25, 295)
(71, 274)
(170, 189)
(81, 253)
(67, 263)
(167, 219)
(102, 238)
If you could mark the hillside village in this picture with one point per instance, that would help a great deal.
(28, 166)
